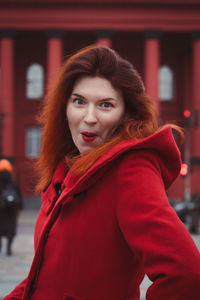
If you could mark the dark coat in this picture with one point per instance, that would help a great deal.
(111, 226)
(8, 216)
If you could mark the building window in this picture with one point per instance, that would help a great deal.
(33, 138)
(166, 83)
(35, 82)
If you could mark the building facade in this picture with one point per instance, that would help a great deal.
(160, 37)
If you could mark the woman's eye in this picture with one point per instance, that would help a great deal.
(78, 101)
(107, 104)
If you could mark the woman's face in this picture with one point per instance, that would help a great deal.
(94, 110)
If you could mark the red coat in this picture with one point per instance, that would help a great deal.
(110, 227)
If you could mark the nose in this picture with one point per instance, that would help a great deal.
(90, 115)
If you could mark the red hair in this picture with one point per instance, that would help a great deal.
(140, 120)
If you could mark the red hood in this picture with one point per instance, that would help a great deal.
(162, 142)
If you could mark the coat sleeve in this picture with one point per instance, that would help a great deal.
(154, 232)
(17, 293)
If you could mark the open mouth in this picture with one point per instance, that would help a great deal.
(88, 136)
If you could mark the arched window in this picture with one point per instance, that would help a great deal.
(35, 82)
(166, 83)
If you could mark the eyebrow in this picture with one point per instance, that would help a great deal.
(77, 95)
(104, 99)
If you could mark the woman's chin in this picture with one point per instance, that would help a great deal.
(86, 149)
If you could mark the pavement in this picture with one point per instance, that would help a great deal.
(13, 269)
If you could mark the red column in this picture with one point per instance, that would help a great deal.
(54, 54)
(104, 37)
(7, 92)
(192, 136)
(151, 64)
(196, 93)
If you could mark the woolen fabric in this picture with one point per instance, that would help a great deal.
(111, 226)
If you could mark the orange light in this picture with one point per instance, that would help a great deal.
(187, 113)
(184, 169)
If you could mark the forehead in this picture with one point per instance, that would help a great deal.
(101, 87)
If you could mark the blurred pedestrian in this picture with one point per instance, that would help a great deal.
(105, 219)
(10, 204)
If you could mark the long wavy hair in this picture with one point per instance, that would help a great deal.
(140, 116)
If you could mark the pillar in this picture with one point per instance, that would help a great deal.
(152, 63)
(54, 53)
(104, 37)
(7, 92)
(195, 149)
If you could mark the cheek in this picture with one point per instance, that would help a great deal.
(69, 113)
(111, 123)
(114, 119)
(72, 117)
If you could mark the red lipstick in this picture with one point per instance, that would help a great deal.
(88, 137)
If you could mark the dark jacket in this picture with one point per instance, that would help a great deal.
(111, 226)
(8, 215)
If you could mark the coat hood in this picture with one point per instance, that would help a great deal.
(162, 143)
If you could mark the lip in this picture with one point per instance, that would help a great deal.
(88, 137)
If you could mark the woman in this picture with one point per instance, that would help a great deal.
(105, 219)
